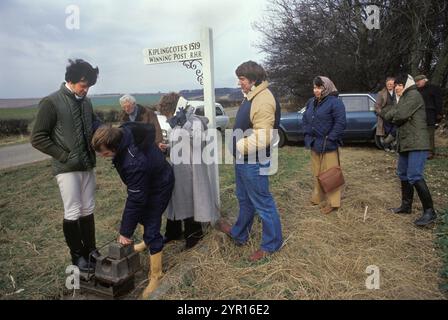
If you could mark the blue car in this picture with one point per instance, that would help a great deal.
(361, 120)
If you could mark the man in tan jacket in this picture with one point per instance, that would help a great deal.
(256, 118)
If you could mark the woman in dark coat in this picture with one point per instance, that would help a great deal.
(149, 179)
(323, 124)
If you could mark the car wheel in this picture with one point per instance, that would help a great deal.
(378, 142)
(282, 138)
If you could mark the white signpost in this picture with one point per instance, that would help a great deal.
(177, 53)
(189, 53)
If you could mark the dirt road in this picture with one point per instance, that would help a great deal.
(19, 154)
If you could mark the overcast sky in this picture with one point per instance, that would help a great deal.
(35, 43)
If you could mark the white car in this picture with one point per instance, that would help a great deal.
(222, 120)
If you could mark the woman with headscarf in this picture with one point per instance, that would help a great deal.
(323, 124)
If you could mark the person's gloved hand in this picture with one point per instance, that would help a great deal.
(179, 119)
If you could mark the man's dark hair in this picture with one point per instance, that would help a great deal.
(252, 71)
(80, 70)
(402, 78)
(317, 81)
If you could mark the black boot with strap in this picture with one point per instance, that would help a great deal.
(72, 235)
(87, 227)
(429, 214)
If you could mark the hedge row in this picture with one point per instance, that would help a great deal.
(11, 127)
(108, 116)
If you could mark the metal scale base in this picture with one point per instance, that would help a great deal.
(89, 284)
(114, 273)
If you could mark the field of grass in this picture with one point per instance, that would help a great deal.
(14, 139)
(324, 256)
(30, 113)
(18, 113)
(32, 250)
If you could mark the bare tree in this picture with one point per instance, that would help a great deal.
(305, 38)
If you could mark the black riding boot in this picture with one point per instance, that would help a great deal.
(87, 226)
(407, 196)
(429, 215)
(72, 235)
(193, 232)
(173, 230)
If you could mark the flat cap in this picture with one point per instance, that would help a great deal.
(420, 77)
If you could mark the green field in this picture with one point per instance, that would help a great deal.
(18, 113)
(325, 257)
(100, 103)
(30, 113)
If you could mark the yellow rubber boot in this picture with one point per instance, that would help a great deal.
(154, 275)
(140, 247)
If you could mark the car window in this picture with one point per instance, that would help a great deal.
(356, 104)
(371, 105)
(199, 111)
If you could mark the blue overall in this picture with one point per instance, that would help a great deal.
(150, 180)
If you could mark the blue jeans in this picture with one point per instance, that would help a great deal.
(411, 166)
(252, 191)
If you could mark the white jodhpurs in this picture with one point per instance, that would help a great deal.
(78, 193)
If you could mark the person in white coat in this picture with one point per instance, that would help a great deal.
(194, 200)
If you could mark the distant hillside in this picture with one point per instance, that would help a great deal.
(18, 103)
(230, 94)
(225, 95)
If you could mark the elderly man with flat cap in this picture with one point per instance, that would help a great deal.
(432, 95)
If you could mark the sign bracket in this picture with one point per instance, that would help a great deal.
(194, 65)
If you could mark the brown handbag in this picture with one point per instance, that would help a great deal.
(332, 178)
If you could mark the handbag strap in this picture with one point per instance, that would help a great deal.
(323, 154)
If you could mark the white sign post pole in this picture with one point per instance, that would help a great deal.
(209, 96)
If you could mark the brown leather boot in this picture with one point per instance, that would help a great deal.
(258, 255)
(328, 209)
(224, 227)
